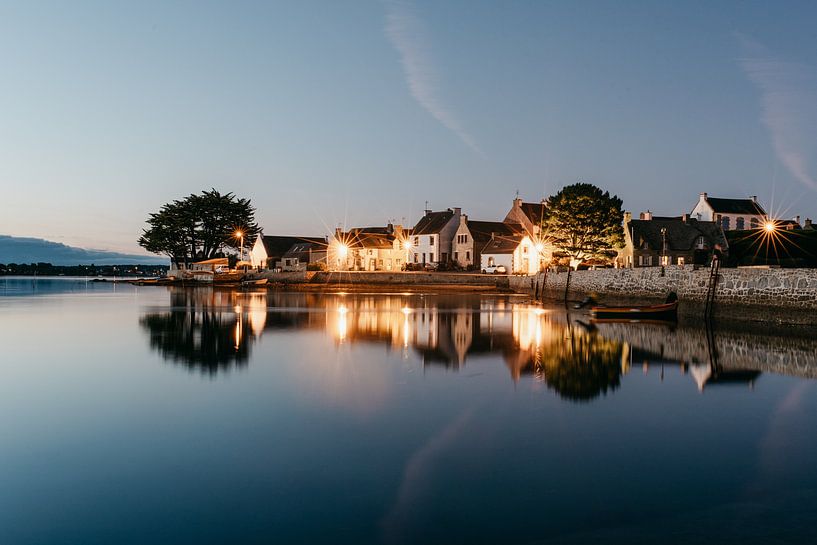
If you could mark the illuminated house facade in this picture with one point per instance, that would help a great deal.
(730, 214)
(652, 241)
(368, 249)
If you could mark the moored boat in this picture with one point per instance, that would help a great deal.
(667, 311)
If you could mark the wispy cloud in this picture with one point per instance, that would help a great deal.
(789, 98)
(408, 34)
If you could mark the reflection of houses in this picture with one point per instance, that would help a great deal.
(268, 251)
(730, 213)
(432, 237)
(368, 249)
(679, 241)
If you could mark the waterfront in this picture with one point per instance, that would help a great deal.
(134, 415)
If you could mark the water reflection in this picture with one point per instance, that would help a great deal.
(212, 330)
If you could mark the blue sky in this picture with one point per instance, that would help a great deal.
(359, 112)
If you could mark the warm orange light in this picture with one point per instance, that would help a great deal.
(407, 245)
(239, 234)
(343, 250)
(540, 247)
(770, 226)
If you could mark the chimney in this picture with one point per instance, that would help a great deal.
(797, 219)
(684, 218)
(457, 211)
(703, 196)
(628, 217)
(645, 215)
(807, 223)
(427, 212)
(463, 219)
(390, 228)
(753, 197)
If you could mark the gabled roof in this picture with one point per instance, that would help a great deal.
(502, 244)
(433, 222)
(303, 249)
(369, 237)
(481, 231)
(535, 211)
(279, 245)
(735, 206)
(681, 235)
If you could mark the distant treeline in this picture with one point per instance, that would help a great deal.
(795, 248)
(47, 269)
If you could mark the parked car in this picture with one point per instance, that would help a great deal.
(495, 269)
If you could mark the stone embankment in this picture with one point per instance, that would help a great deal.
(765, 290)
(318, 279)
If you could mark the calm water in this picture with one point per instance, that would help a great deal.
(155, 415)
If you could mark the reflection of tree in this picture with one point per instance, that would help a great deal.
(199, 336)
(582, 367)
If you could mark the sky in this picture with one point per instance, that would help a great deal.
(358, 112)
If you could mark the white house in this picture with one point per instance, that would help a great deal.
(731, 214)
(431, 238)
(531, 216)
(519, 254)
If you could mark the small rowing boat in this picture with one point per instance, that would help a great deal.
(667, 311)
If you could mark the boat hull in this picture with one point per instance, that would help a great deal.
(665, 312)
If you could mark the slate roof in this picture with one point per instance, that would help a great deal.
(681, 235)
(502, 244)
(369, 237)
(277, 246)
(535, 211)
(481, 230)
(735, 206)
(433, 222)
(302, 250)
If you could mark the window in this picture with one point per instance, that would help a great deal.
(725, 223)
(700, 244)
(431, 257)
(641, 261)
(431, 240)
(649, 261)
(456, 256)
(491, 261)
(680, 261)
(468, 256)
(416, 241)
(753, 223)
(740, 224)
(524, 249)
(665, 260)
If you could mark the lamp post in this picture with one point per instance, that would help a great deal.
(663, 249)
(240, 235)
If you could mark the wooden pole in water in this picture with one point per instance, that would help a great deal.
(567, 283)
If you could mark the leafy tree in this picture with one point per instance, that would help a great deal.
(199, 226)
(583, 222)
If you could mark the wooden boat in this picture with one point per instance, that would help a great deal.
(663, 312)
(256, 282)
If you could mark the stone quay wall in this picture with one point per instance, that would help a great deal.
(783, 288)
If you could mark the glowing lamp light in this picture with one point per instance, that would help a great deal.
(343, 250)
(540, 247)
(239, 234)
(407, 245)
(769, 226)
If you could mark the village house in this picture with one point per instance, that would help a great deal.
(730, 214)
(368, 249)
(432, 237)
(268, 251)
(302, 254)
(653, 241)
(531, 215)
(471, 236)
(517, 252)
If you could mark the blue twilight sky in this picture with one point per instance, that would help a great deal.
(358, 112)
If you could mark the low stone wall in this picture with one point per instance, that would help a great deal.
(389, 278)
(788, 288)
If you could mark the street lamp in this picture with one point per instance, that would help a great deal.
(770, 227)
(239, 234)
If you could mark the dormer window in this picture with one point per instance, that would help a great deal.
(700, 244)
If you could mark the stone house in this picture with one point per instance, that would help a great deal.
(368, 249)
(652, 241)
(730, 214)
(471, 236)
(431, 239)
(531, 216)
(301, 255)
